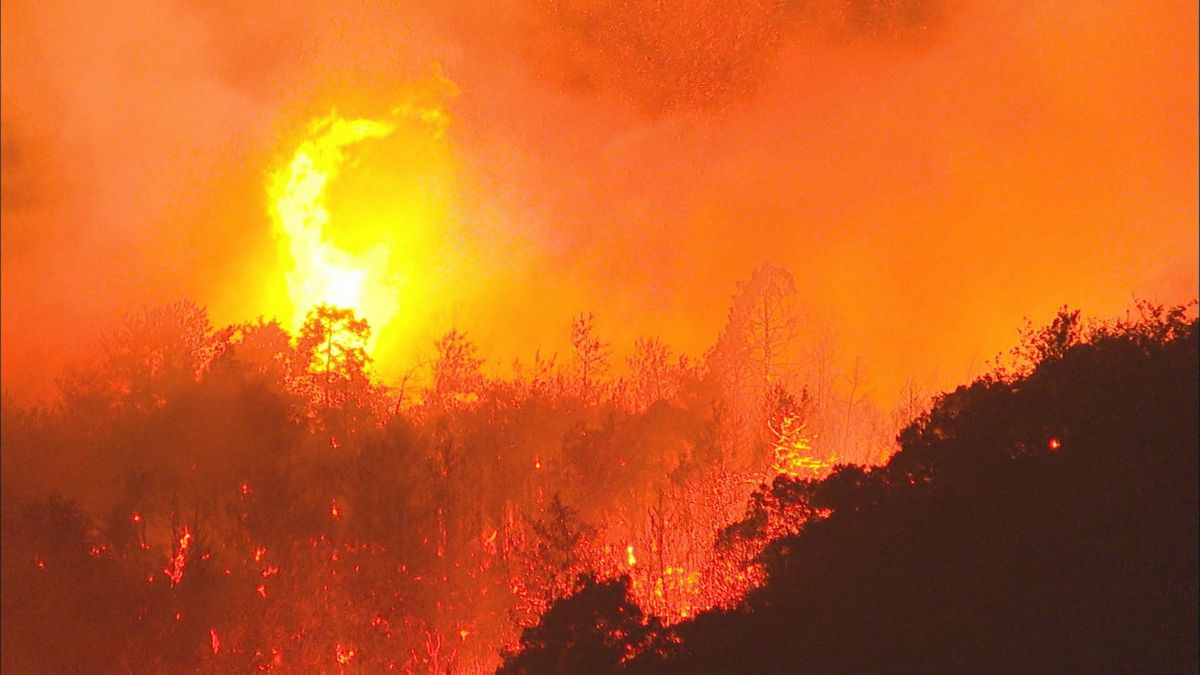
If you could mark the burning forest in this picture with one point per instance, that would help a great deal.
(599, 337)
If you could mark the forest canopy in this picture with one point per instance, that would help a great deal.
(242, 498)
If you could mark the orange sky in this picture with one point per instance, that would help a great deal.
(930, 171)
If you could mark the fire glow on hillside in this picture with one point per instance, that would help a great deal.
(444, 337)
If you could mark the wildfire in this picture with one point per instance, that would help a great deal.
(793, 451)
(179, 560)
(321, 272)
(358, 252)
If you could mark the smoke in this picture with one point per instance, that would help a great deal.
(664, 57)
(931, 172)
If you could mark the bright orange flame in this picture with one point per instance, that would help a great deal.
(356, 257)
(322, 273)
(1055, 444)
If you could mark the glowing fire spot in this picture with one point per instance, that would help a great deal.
(179, 560)
(39, 563)
(537, 464)
(792, 450)
(261, 589)
(245, 489)
(334, 510)
(345, 654)
(1054, 444)
(630, 559)
(214, 640)
(137, 517)
(259, 552)
(463, 634)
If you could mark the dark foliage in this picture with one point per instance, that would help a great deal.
(1044, 521)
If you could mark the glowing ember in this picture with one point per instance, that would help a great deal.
(214, 640)
(1054, 444)
(792, 451)
(344, 654)
(179, 560)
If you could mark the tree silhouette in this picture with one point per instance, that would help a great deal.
(456, 371)
(1044, 521)
(594, 630)
(591, 357)
(759, 333)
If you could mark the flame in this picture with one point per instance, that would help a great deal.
(792, 450)
(322, 273)
(359, 255)
(179, 560)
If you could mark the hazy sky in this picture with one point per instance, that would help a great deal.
(930, 172)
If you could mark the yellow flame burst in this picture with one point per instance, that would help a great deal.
(318, 269)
